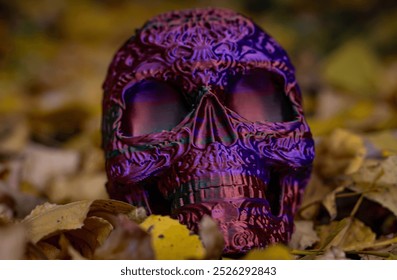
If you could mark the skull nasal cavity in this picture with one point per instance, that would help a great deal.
(212, 123)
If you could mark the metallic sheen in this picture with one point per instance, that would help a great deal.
(202, 115)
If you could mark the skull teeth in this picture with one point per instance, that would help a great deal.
(224, 186)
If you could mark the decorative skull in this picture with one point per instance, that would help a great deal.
(202, 115)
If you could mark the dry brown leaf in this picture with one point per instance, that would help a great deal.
(13, 240)
(329, 202)
(304, 235)
(14, 134)
(315, 193)
(49, 251)
(127, 241)
(87, 239)
(377, 180)
(50, 219)
(211, 237)
(68, 251)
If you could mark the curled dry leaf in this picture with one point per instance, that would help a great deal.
(49, 219)
(315, 193)
(127, 241)
(172, 240)
(211, 237)
(304, 235)
(85, 224)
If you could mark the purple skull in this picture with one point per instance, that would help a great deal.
(202, 115)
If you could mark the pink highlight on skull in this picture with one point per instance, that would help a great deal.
(202, 115)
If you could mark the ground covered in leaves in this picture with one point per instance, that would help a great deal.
(53, 59)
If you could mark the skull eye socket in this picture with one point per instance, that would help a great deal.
(259, 96)
(151, 106)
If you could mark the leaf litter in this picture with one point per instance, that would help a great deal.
(53, 203)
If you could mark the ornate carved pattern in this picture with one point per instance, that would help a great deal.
(214, 162)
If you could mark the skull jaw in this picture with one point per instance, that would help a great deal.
(245, 223)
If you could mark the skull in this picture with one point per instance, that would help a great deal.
(202, 115)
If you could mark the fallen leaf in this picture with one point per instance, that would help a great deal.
(354, 67)
(315, 193)
(45, 250)
(127, 241)
(329, 202)
(273, 252)
(383, 143)
(347, 234)
(172, 240)
(377, 180)
(7, 206)
(49, 219)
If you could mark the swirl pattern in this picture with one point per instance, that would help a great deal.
(249, 175)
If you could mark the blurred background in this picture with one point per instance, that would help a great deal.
(54, 56)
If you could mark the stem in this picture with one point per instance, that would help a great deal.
(307, 252)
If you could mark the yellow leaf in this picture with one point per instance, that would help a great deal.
(273, 252)
(171, 240)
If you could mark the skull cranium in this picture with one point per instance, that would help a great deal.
(202, 115)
